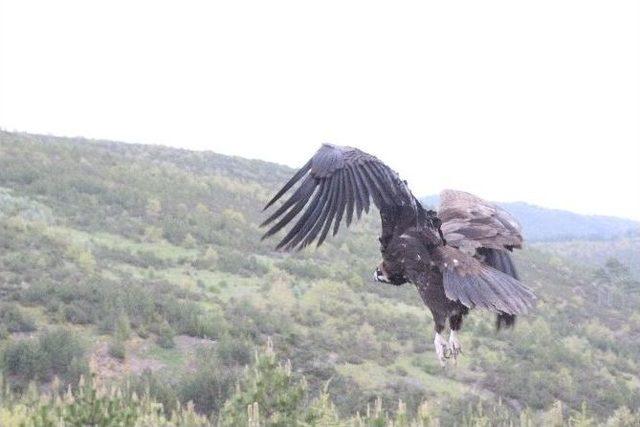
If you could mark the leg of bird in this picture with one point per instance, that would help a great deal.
(455, 322)
(442, 350)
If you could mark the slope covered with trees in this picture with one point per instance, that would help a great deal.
(143, 266)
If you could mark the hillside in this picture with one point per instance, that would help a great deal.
(144, 264)
(549, 225)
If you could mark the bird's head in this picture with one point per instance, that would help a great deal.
(385, 273)
(380, 275)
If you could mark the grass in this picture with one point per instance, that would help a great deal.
(371, 376)
(162, 249)
(173, 358)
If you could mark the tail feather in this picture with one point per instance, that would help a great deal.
(500, 260)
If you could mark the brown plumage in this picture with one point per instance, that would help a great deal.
(458, 258)
(469, 223)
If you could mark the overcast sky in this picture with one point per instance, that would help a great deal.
(536, 101)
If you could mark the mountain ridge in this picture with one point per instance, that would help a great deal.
(542, 224)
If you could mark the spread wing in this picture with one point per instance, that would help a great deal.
(467, 280)
(334, 184)
(464, 278)
(470, 223)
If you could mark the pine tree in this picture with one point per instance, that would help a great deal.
(269, 394)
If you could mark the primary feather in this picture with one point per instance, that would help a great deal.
(341, 179)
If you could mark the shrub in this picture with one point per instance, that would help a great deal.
(93, 404)
(117, 349)
(209, 387)
(271, 387)
(238, 263)
(20, 358)
(56, 352)
(77, 314)
(234, 351)
(123, 328)
(14, 319)
(161, 387)
(165, 336)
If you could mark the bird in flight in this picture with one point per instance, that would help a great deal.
(458, 258)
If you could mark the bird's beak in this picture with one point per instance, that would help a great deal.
(379, 276)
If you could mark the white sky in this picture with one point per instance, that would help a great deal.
(536, 101)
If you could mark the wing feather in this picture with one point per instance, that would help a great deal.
(377, 186)
(299, 198)
(311, 228)
(336, 180)
(352, 195)
(332, 208)
(470, 223)
(295, 178)
(363, 196)
(311, 208)
(364, 187)
(474, 284)
(487, 232)
(389, 178)
(342, 204)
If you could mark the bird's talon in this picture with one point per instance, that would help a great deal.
(454, 344)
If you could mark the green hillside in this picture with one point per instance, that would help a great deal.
(142, 266)
(597, 253)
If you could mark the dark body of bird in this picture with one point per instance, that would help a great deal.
(458, 257)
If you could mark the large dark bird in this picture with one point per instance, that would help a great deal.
(458, 258)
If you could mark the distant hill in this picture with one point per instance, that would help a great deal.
(543, 224)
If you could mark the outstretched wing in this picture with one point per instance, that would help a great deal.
(473, 283)
(475, 228)
(470, 223)
(335, 183)
(464, 278)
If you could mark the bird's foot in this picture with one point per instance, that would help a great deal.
(454, 345)
(442, 349)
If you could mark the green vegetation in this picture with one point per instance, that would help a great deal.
(269, 393)
(53, 353)
(143, 265)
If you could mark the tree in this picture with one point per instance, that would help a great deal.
(268, 394)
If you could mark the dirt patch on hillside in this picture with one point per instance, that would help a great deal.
(108, 367)
(135, 362)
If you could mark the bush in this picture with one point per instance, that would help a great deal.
(92, 404)
(234, 351)
(165, 336)
(14, 319)
(117, 349)
(238, 263)
(123, 328)
(271, 387)
(20, 358)
(209, 387)
(77, 314)
(56, 352)
(159, 386)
